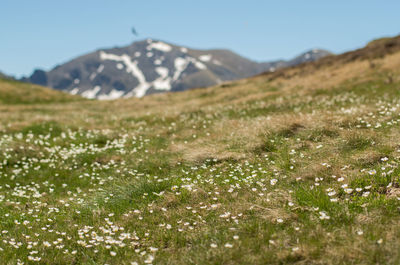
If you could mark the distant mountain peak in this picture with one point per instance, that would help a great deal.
(152, 66)
(309, 56)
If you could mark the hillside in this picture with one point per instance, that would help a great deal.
(15, 92)
(3, 76)
(152, 66)
(299, 166)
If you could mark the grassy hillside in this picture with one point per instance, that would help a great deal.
(300, 166)
(15, 92)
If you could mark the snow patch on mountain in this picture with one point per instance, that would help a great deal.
(160, 46)
(180, 66)
(217, 62)
(114, 94)
(131, 67)
(91, 93)
(198, 64)
(205, 58)
(101, 68)
(92, 76)
(182, 63)
(74, 91)
(164, 81)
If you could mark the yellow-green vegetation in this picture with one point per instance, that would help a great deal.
(14, 92)
(298, 166)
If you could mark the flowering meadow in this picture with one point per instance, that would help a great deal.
(250, 172)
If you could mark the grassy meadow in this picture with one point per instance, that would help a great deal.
(300, 166)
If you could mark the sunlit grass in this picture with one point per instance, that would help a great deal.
(274, 178)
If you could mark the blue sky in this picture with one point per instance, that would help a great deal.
(44, 33)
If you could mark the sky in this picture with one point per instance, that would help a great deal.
(44, 33)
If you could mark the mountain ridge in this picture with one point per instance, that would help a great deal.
(154, 66)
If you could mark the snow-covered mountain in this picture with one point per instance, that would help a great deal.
(152, 66)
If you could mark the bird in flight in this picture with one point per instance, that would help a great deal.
(134, 31)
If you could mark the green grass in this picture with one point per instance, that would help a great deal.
(15, 92)
(273, 179)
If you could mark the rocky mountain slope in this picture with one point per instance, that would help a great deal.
(152, 66)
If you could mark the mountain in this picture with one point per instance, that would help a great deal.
(4, 76)
(152, 66)
(309, 56)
